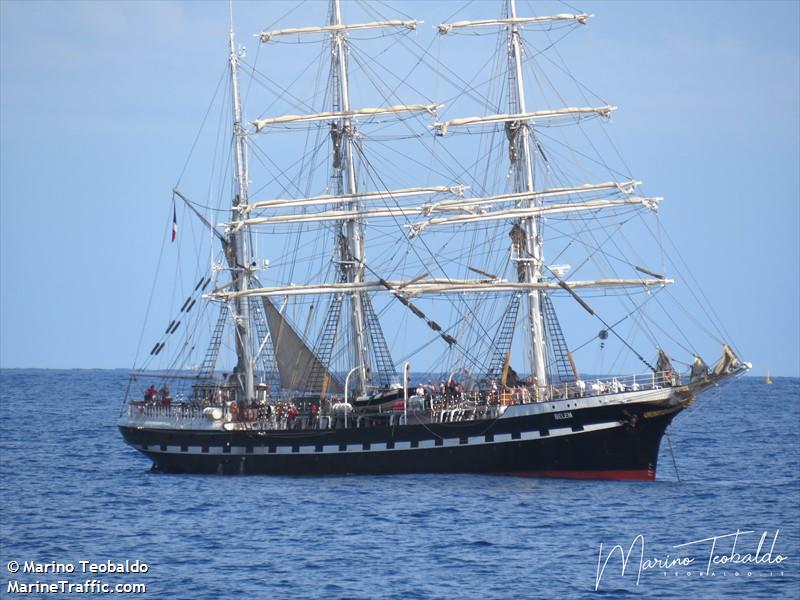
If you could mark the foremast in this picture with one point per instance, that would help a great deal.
(530, 254)
(239, 238)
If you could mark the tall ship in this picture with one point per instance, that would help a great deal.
(369, 280)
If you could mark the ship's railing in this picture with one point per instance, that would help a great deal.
(468, 411)
(504, 396)
(270, 418)
(611, 385)
(263, 417)
(179, 414)
(465, 406)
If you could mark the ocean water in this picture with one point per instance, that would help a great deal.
(71, 490)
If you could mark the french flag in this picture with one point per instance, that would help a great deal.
(174, 222)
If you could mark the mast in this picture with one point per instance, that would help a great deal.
(354, 262)
(239, 238)
(531, 225)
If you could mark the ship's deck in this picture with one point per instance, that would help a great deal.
(388, 409)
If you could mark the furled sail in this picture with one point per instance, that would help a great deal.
(727, 363)
(431, 109)
(603, 111)
(446, 28)
(266, 36)
(623, 187)
(664, 364)
(436, 286)
(699, 370)
(466, 207)
(651, 203)
(455, 190)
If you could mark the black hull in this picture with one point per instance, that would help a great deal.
(601, 443)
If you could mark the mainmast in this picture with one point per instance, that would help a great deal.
(353, 262)
(531, 253)
(239, 238)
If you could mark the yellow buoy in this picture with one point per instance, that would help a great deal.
(767, 379)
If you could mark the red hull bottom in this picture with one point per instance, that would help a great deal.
(621, 475)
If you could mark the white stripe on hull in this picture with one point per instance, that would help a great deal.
(500, 438)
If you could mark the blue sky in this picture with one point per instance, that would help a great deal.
(100, 102)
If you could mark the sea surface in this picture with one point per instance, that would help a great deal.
(71, 490)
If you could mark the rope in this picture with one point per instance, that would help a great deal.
(674, 462)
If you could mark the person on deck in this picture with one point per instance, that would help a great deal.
(164, 393)
(292, 414)
(150, 394)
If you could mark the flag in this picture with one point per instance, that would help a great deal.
(174, 221)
